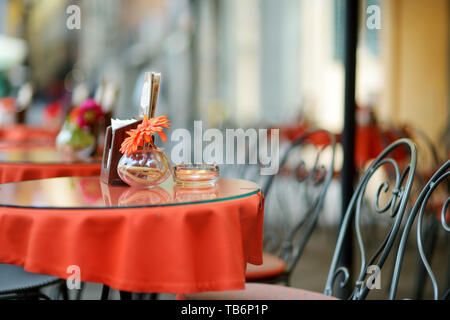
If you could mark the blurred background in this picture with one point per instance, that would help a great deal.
(241, 64)
(235, 63)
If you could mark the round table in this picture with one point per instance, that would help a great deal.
(26, 135)
(167, 239)
(30, 163)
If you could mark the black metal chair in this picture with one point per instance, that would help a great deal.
(428, 162)
(441, 176)
(309, 181)
(395, 205)
(16, 283)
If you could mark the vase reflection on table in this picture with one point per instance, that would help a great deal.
(149, 196)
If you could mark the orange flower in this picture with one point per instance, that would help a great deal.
(131, 144)
(154, 125)
(143, 134)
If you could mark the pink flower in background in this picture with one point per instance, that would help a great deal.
(90, 113)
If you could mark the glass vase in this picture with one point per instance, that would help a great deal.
(144, 168)
(75, 142)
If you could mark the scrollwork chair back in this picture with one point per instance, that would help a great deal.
(441, 176)
(316, 174)
(396, 205)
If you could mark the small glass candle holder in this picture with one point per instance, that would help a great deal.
(192, 175)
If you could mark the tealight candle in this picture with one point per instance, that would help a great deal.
(195, 174)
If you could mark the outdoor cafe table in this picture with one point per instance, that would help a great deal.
(19, 163)
(167, 239)
(26, 134)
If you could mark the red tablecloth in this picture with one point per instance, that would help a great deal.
(173, 249)
(15, 172)
(23, 133)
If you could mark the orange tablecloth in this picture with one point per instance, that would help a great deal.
(173, 249)
(15, 172)
(23, 133)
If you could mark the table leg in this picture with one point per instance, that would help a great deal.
(124, 295)
(153, 296)
(79, 292)
(63, 290)
(105, 292)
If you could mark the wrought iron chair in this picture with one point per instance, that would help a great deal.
(309, 182)
(440, 177)
(428, 162)
(16, 283)
(396, 206)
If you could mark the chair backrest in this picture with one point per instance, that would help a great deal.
(24, 99)
(440, 176)
(422, 139)
(313, 174)
(397, 196)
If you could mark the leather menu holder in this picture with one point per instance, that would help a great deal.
(112, 154)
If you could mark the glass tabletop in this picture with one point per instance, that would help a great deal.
(91, 193)
(40, 155)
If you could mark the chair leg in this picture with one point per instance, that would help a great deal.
(34, 295)
(63, 290)
(447, 294)
(56, 292)
(430, 237)
(286, 279)
(395, 249)
(9, 296)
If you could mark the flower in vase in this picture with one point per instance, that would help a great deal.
(89, 114)
(71, 134)
(154, 125)
(143, 134)
(132, 143)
